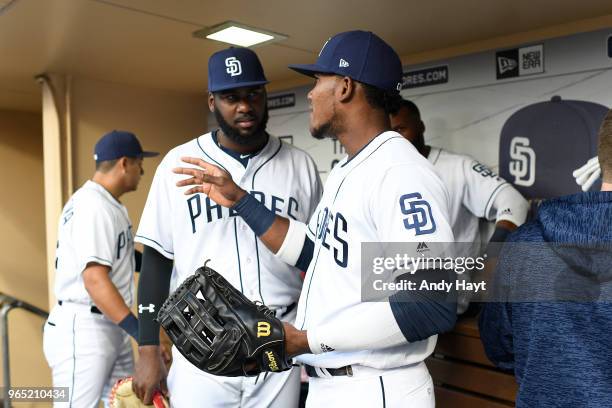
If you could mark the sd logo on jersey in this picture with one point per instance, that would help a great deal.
(419, 214)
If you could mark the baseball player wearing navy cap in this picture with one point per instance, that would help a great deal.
(181, 232)
(358, 354)
(86, 340)
(475, 190)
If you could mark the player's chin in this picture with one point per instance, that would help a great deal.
(247, 133)
(318, 133)
(134, 186)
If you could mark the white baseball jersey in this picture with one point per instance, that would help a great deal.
(387, 192)
(472, 188)
(93, 227)
(87, 352)
(192, 229)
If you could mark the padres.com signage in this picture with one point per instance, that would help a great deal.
(542, 143)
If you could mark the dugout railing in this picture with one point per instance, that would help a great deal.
(8, 303)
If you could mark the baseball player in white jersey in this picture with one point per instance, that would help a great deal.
(475, 190)
(86, 340)
(182, 232)
(358, 354)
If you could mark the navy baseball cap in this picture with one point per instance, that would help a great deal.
(117, 144)
(360, 55)
(543, 143)
(234, 68)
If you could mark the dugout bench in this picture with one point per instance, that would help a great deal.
(463, 375)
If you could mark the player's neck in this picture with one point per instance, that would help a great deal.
(228, 143)
(109, 185)
(361, 130)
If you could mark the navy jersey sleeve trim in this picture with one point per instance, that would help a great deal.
(306, 255)
(157, 245)
(101, 261)
(423, 313)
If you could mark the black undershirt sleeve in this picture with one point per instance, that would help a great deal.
(153, 290)
(138, 258)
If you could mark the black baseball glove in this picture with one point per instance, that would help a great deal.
(220, 331)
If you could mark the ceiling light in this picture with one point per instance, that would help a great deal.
(239, 34)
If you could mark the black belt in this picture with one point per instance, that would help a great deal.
(334, 372)
(92, 309)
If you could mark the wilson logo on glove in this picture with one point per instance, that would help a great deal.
(216, 328)
(263, 329)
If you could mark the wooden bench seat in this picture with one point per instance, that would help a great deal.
(464, 376)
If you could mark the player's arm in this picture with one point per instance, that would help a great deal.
(407, 317)
(155, 234)
(107, 298)
(285, 237)
(93, 234)
(510, 209)
(495, 322)
(153, 289)
(487, 195)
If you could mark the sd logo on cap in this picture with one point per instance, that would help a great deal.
(234, 68)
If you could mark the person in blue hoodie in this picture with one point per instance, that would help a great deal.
(550, 318)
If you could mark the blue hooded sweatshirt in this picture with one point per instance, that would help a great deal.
(553, 327)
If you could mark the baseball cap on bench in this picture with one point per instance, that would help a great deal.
(117, 144)
(234, 68)
(360, 55)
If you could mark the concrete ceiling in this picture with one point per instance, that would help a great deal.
(149, 42)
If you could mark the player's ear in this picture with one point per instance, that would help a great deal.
(122, 164)
(211, 101)
(421, 126)
(345, 89)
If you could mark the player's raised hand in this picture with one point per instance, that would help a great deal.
(211, 180)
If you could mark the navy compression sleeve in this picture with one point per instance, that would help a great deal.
(153, 290)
